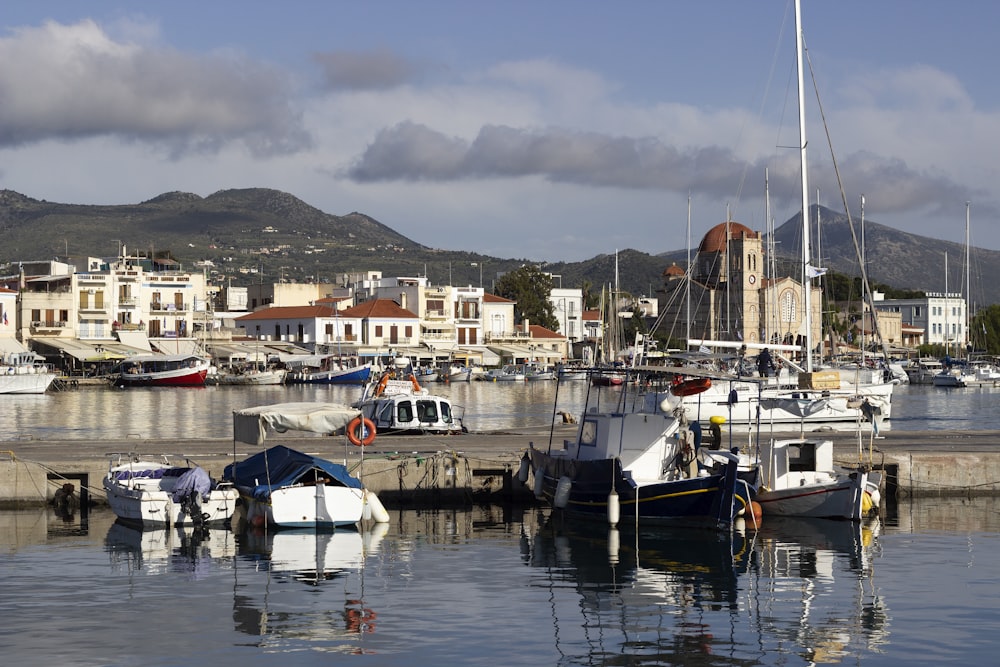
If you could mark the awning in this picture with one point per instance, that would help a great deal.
(524, 352)
(136, 339)
(82, 351)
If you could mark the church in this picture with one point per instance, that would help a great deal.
(732, 297)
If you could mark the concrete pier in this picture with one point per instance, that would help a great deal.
(433, 471)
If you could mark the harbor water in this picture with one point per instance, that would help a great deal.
(206, 412)
(489, 585)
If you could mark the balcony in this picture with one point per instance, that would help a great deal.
(163, 307)
(47, 328)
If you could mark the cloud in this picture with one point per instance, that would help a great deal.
(68, 82)
(374, 70)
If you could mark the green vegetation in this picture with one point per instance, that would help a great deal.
(529, 288)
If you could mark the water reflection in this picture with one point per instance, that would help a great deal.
(277, 607)
(664, 596)
(656, 595)
(817, 590)
(154, 551)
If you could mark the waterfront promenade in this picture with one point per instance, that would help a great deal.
(432, 471)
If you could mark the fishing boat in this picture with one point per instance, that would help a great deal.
(396, 402)
(644, 466)
(162, 370)
(21, 372)
(283, 487)
(506, 373)
(332, 370)
(248, 375)
(157, 493)
(800, 479)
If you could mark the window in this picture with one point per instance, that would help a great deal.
(788, 306)
(378, 330)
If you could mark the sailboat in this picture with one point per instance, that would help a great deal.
(800, 478)
(801, 393)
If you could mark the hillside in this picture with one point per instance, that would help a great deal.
(260, 234)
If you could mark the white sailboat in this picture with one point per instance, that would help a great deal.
(800, 393)
(800, 478)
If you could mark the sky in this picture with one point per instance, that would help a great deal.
(548, 131)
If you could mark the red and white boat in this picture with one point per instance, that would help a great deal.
(163, 370)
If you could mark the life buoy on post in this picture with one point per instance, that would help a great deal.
(361, 431)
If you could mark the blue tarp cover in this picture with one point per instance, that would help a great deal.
(194, 479)
(283, 467)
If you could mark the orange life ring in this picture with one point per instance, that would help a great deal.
(691, 386)
(380, 387)
(416, 385)
(361, 431)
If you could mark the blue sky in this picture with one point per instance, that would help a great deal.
(540, 130)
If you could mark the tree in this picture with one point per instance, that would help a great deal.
(529, 288)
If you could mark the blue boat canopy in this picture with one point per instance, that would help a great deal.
(281, 466)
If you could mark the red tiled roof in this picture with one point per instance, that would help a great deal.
(493, 298)
(538, 331)
(383, 308)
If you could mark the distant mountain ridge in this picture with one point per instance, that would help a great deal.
(280, 236)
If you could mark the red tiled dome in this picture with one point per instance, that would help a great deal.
(715, 239)
(673, 271)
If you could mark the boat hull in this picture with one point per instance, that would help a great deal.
(358, 375)
(147, 505)
(311, 506)
(13, 382)
(711, 500)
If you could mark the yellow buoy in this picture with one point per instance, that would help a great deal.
(717, 419)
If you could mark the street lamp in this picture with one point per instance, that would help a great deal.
(480, 265)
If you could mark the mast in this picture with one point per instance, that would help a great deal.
(806, 281)
(688, 278)
(968, 288)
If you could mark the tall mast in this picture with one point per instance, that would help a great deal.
(806, 282)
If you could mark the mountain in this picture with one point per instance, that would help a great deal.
(894, 258)
(260, 234)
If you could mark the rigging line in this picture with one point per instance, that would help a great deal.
(778, 47)
(866, 287)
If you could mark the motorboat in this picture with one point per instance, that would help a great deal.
(157, 493)
(800, 479)
(397, 403)
(923, 370)
(162, 370)
(284, 487)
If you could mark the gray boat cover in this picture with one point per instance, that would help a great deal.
(250, 424)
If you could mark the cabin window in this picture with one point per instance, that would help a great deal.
(404, 412)
(427, 411)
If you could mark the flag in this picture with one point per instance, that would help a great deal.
(5, 318)
(814, 271)
(704, 350)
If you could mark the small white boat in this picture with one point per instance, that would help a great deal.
(801, 480)
(158, 493)
(287, 488)
(924, 370)
(506, 373)
(248, 376)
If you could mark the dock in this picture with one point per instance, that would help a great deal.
(427, 471)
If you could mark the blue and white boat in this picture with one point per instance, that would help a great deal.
(287, 488)
(644, 467)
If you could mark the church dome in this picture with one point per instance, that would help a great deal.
(715, 239)
(673, 271)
